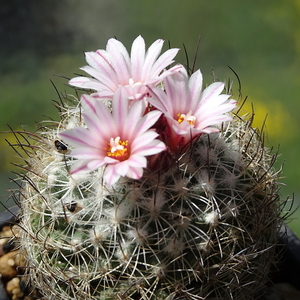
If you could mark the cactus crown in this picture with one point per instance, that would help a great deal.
(156, 191)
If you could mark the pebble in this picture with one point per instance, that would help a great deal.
(5, 238)
(8, 265)
(13, 289)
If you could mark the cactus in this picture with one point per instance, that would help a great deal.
(199, 221)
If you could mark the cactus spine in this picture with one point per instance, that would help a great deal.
(199, 225)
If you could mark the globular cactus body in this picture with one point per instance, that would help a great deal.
(199, 225)
(205, 227)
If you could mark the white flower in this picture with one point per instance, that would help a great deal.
(119, 140)
(189, 111)
(114, 67)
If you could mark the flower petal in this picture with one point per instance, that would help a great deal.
(151, 148)
(79, 137)
(122, 168)
(163, 61)
(138, 161)
(135, 173)
(137, 58)
(101, 61)
(195, 87)
(211, 91)
(83, 166)
(146, 122)
(150, 58)
(120, 61)
(110, 175)
(109, 81)
(120, 108)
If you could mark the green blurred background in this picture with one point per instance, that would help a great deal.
(259, 40)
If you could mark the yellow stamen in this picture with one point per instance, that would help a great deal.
(117, 149)
(188, 117)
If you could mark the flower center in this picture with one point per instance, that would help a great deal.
(132, 83)
(188, 117)
(117, 149)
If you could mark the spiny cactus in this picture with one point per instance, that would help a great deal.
(148, 188)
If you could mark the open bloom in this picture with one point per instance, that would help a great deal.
(113, 67)
(118, 140)
(189, 111)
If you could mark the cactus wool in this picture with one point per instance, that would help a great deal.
(149, 187)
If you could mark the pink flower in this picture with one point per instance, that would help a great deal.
(118, 140)
(189, 111)
(113, 67)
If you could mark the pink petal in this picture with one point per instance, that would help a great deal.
(150, 58)
(120, 61)
(100, 61)
(107, 81)
(167, 73)
(195, 87)
(130, 128)
(181, 129)
(79, 81)
(142, 140)
(209, 130)
(78, 137)
(137, 161)
(213, 120)
(160, 100)
(79, 166)
(135, 173)
(211, 91)
(146, 122)
(177, 90)
(95, 164)
(120, 107)
(110, 175)
(90, 83)
(122, 168)
(137, 58)
(97, 116)
(88, 153)
(163, 61)
(152, 148)
(102, 94)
